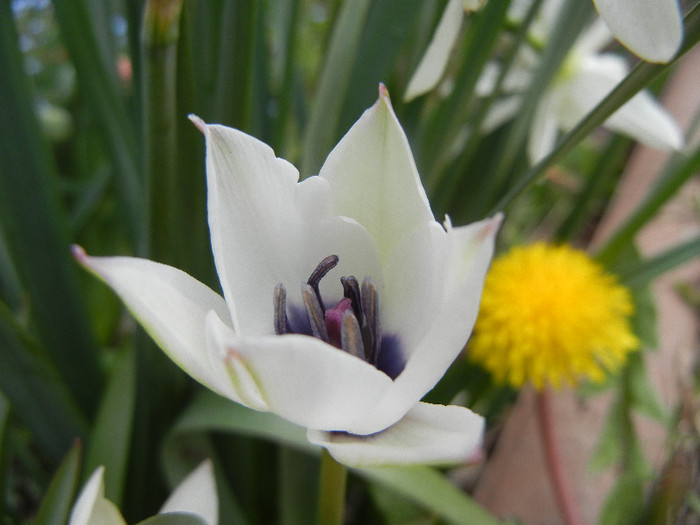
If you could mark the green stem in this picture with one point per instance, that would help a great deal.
(331, 491)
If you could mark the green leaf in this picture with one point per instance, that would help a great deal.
(432, 490)
(111, 435)
(623, 504)
(99, 84)
(173, 518)
(322, 129)
(39, 397)
(58, 500)
(35, 228)
(643, 396)
(4, 429)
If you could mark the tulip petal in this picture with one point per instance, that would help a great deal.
(171, 305)
(305, 380)
(428, 433)
(652, 29)
(374, 179)
(92, 507)
(267, 228)
(641, 118)
(466, 255)
(196, 494)
(434, 61)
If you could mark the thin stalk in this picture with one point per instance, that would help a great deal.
(160, 33)
(331, 491)
(639, 78)
(568, 507)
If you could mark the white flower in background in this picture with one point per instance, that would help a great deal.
(586, 77)
(296, 333)
(432, 66)
(651, 29)
(196, 495)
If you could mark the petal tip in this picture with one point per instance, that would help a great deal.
(383, 91)
(201, 125)
(79, 254)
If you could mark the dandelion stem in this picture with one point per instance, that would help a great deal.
(331, 491)
(563, 491)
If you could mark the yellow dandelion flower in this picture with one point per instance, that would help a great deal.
(551, 315)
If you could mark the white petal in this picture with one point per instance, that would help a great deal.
(307, 381)
(466, 255)
(543, 133)
(644, 119)
(266, 228)
(434, 434)
(652, 29)
(434, 61)
(196, 494)
(374, 179)
(171, 305)
(91, 507)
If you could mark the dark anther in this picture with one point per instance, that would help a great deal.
(370, 308)
(315, 312)
(280, 309)
(351, 290)
(351, 335)
(325, 266)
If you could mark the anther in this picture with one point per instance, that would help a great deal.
(351, 335)
(280, 310)
(325, 266)
(314, 311)
(370, 309)
(351, 290)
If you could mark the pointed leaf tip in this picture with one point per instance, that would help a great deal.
(383, 91)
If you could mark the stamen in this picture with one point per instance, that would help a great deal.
(370, 308)
(280, 310)
(314, 311)
(351, 290)
(351, 336)
(325, 266)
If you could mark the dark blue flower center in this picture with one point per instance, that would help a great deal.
(353, 324)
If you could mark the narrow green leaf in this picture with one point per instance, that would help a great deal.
(58, 500)
(209, 411)
(235, 69)
(433, 491)
(35, 228)
(99, 84)
(674, 176)
(111, 435)
(322, 130)
(39, 397)
(4, 429)
(636, 275)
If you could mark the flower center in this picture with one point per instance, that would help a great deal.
(352, 324)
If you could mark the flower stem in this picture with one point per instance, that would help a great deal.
(331, 491)
(560, 482)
